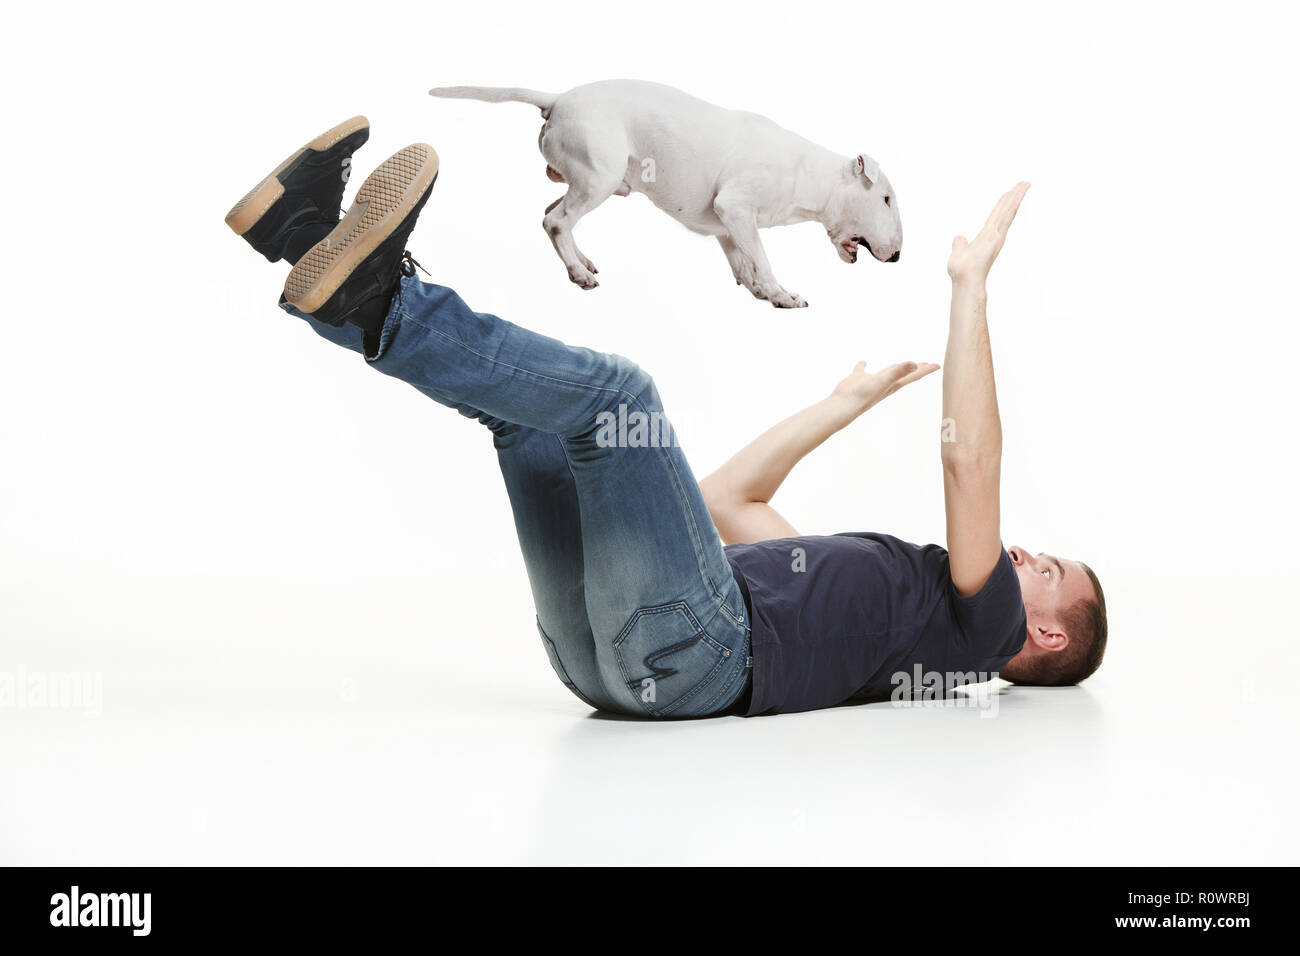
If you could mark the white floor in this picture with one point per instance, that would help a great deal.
(256, 721)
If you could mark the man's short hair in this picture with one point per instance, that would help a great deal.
(1085, 623)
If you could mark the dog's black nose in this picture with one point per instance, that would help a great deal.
(895, 257)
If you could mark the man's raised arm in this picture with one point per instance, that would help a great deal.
(972, 433)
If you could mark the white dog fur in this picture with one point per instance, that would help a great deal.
(719, 172)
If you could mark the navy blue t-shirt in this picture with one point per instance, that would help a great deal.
(840, 615)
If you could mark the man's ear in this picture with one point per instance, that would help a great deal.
(865, 168)
(1049, 638)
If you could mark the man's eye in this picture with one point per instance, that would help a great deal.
(1046, 574)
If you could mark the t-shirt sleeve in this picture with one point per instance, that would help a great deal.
(992, 620)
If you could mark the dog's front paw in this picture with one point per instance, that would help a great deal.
(787, 300)
(582, 278)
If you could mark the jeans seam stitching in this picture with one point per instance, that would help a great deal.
(586, 386)
(697, 536)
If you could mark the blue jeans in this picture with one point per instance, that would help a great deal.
(636, 603)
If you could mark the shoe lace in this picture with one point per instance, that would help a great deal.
(408, 265)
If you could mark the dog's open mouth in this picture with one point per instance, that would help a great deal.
(849, 248)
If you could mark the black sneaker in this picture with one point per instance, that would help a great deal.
(350, 275)
(297, 205)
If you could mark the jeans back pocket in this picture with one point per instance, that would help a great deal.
(668, 661)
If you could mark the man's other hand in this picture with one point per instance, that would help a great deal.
(863, 389)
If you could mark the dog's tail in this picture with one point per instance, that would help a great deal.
(499, 94)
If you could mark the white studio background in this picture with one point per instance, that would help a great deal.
(298, 580)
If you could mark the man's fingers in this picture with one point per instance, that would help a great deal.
(1011, 206)
(996, 213)
(993, 225)
(1004, 212)
(918, 371)
(922, 370)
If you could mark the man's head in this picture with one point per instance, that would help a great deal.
(1066, 613)
(863, 210)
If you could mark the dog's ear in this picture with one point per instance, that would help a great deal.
(865, 168)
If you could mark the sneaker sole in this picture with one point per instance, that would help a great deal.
(246, 213)
(385, 199)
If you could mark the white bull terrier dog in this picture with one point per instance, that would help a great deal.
(718, 172)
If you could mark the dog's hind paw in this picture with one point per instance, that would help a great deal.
(787, 300)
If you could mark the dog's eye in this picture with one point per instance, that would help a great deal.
(886, 200)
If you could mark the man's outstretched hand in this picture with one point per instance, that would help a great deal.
(970, 261)
(864, 389)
